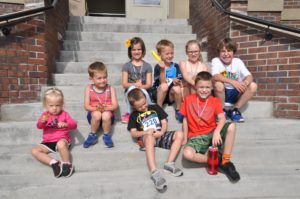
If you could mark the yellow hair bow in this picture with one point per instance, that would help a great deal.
(128, 43)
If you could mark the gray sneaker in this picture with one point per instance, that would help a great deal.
(171, 168)
(158, 180)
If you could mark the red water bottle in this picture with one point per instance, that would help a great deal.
(213, 160)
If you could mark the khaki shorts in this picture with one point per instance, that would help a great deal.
(201, 143)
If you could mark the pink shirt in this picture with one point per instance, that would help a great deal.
(51, 133)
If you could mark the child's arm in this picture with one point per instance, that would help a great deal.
(248, 80)
(164, 127)
(148, 81)
(217, 140)
(240, 86)
(125, 82)
(69, 123)
(185, 75)
(114, 101)
(42, 121)
(135, 133)
(185, 130)
(162, 74)
(87, 105)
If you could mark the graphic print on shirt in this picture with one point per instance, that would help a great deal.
(53, 124)
(230, 74)
(148, 120)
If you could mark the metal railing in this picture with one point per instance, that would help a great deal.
(269, 24)
(8, 20)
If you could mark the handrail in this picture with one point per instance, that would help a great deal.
(220, 7)
(26, 14)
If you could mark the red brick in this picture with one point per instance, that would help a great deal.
(288, 80)
(294, 60)
(289, 67)
(257, 50)
(294, 86)
(293, 114)
(28, 94)
(294, 100)
(267, 68)
(276, 86)
(257, 63)
(277, 61)
(248, 44)
(259, 74)
(266, 92)
(294, 73)
(267, 55)
(288, 93)
(37, 61)
(248, 57)
(277, 74)
(281, 99)
(278, 48)
(289, 54)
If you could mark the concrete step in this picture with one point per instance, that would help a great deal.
(248, 132)
(130, 28)
(121, 36)
(135, 186)
(109, 56)
(31, 111)
(127, 21)
(71, 45)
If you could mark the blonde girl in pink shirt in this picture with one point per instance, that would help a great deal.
(56, 125)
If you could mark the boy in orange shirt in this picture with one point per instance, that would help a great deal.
(201, 130)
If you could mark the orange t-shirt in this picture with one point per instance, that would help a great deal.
(201, 114)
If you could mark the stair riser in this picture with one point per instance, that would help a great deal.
(130, 28)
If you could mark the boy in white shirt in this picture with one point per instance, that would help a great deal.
(233, 82)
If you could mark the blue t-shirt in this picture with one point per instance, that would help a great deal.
(172, 72)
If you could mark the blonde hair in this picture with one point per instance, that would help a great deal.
(53, 93)
(97, 67)
(194, 42)
(162, 44)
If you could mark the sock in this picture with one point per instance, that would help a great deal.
(53, 161)
(105, 133)
(66, 162)
(226, 158)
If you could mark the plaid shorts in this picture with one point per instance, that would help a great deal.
(201, 143)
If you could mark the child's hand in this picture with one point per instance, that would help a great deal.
(138, 83)
(157, 134)
(216, 140)
(176, 82)
(162, 64)
(240, 86)
(100, 108)
(62, 125)
(45, 118)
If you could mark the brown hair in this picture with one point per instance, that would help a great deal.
(97, 67)
(134, 41)
(53, 93)
(162, 44)
(194, 42)
(228, 44)
(203, 75)
(135, 95)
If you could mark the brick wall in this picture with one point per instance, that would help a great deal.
(27, 55)
(291, 3)
(274, 64)
(208, 22)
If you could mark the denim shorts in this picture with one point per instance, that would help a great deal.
(231, 96)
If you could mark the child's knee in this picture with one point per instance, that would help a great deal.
(62, 144)
(106, 117)
(176, 90)
(34, 151)
(219, 87)
(163, 87)
(231, 128)
(149, 140)
(253, 87)
(188, 153)
(96, 115)
(178, 136)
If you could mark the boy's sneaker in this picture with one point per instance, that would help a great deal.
(91, 139)
(125, 118)
(57, 170)
(228, 113)
(179, 116)
(107, 140)
(229, 170)
(236, 116)
(171, 168)
(158, 180)
(67, 170)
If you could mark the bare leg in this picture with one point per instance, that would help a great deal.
(175, 94)
(106, 121)
(150, 152)
(176, 145)
(245, 97)
(190, 154)
(161, 93)
(96, 118)
(219, 89)
(41, 153)
(229, 141)
(63, 149)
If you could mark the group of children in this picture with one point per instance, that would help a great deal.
(188, 84)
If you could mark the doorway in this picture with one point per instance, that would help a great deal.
(111, 8)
